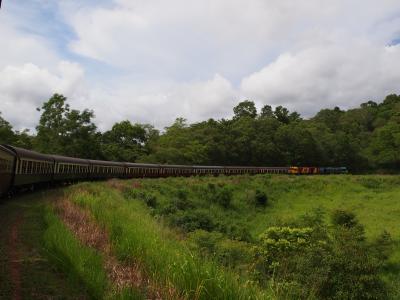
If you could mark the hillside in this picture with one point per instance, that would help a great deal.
(213, 237)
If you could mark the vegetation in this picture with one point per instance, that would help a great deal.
(362, 139)
(26, 269)
(315, 237)
(240, 237)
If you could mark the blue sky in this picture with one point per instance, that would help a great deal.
(153, 61)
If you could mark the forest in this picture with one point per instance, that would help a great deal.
(364, 139)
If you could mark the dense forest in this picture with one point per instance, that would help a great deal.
(364, 139)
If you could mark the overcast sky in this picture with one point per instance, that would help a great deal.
(154, 60)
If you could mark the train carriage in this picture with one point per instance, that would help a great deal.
(7, 164)
(69, 168)
(210, 170)
(100, 169)
(31, 167)
(25, 168)
(176, 170)
(137, 170)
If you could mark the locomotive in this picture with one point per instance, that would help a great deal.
(21, 169)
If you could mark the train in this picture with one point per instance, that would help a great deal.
(26, 169)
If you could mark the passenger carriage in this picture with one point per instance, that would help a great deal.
(7, 164)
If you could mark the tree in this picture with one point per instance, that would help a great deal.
(125, 142)
(266, 112)
(245, 108)
(384, 147)
(24, 139)
(65, 131)
(282, 114)
(7, 135)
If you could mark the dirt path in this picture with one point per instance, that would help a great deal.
(25, 269)
(15, 257)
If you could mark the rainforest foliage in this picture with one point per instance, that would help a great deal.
(366, 138)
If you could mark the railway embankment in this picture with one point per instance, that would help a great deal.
(240, 237)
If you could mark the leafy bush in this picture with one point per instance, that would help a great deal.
(227, 252)
(147, 197)
(260, 198)
(344, 218)
(205, 241)
(236, 231)
(339, 264)
(192, 220)
(233, 253)
(221, 195)
(150, 200)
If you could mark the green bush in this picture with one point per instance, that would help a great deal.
(150, 200)
(233, 253)
(192, 220)
(205, 242)
(217, 193)
(339, 264)
(260, 198)
(236, 231)
(344, 218)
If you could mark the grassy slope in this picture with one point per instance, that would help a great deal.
(374, 199)
(138, 237)
(38, 277)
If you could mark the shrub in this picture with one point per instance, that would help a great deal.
(344, 218)
(260, 198)
(205, 241)
(192, 220)
(233, 253)
(220, 194)
(339, 264)
(237, 231)
(150, 200)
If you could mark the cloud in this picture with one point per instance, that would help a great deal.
(320, 77)
(153, 61)
(159, 104)
(22, 48)
(25, 87)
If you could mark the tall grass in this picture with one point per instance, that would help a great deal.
(137, 236)
(82, 264)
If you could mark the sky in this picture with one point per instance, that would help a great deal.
(151, 61)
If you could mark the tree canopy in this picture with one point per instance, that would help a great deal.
(366, 138)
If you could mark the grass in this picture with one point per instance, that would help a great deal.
(39, 278)
(192, 237)
(137, 236)
(178, 202)
(82, 264)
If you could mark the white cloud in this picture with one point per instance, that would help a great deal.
(25, 87)
(320, 77)
(153, 61)
(22, 48)
(159, 104)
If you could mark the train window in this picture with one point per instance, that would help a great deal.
(29, 167)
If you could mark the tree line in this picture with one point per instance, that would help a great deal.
(363, 139)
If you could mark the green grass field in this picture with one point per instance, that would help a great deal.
(187, 238)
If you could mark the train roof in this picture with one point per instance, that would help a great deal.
(106, 163)
(67, 159)
(208, 167)
(253, 167)
(176, 166)
(128, 164)
(5, 149)
(23, 153)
